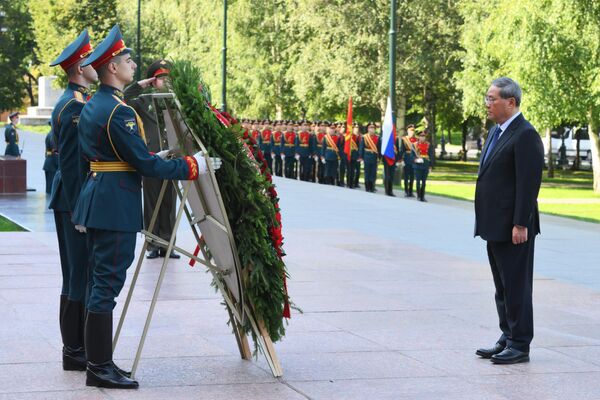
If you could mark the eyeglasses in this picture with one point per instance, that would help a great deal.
(489, 100)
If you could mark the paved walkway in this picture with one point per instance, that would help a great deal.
(396, 296)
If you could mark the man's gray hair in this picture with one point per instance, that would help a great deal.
(508, 88)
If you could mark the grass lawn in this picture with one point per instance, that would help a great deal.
(568, 194)
(41, 129)
(8, 226)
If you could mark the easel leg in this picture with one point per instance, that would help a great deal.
(138, 267)
(161, 276)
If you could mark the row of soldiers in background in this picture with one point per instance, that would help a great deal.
(315, 152)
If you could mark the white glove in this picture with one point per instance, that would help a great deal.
(272, 155)
(361, 161)
(297, 156)
(316, 158)
(80, 228)
(283, 156)
(163, 154)
(323, 160)
(202, 166)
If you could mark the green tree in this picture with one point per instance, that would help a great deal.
(16, 52)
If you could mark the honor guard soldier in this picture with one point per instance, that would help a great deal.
(264, 143)
(276, 147)
(51, 159)
(155, 81)
(320, 137)
(407, 156)
(314, 128)
(254, 130)
(305, 150)
(11, 136)
(353, 164)
(65, 192)
(109, 207)
(422, 163)
(368, 152)
(288, 151)
(332, 146)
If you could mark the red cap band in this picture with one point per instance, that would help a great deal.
(83, 52)
(161, 71)
(115, 50)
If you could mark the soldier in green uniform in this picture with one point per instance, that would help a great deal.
(50, 160)
(353, 164)
(331, 152)
(11, 136)
(288, 150)
(407, 143)
(320, 136)
(155, 81)
(422, 163)
(368, 152)
(305, 150)
(389, 171)
(264, 143)
(109, 208)
(343, 163)
(65, 192)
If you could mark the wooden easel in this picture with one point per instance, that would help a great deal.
(203, 207)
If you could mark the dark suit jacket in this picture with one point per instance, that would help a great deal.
(508, 183)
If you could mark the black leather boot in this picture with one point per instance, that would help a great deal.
(61, 312)
(101, 371)
(72, 325)
(423, 193)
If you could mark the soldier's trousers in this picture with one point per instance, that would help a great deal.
(165, 220)
(409, 177)
(331, 171)
(314, 167)
(421, 178)
(49, 180)
(278, 166)
(320, 172)
(370, 172)
(73, 257)
(388, 176)
(353, 173)
(269, 161)
(111, 253)
(289, 167)
(342, 171)
(306, 164)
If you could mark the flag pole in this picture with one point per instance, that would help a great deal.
(393, 55)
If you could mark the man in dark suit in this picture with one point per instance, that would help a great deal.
(506, 215)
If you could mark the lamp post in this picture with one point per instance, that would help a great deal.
(138, 71)
(224, 51)
(392, 50)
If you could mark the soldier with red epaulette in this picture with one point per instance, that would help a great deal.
(407, 144)
(276, 147)
(368, 153)
(304, 151)
(320, 136)
(288, 150)
(422, 163)
(254, 130)
(353, 164)
(264, 143)
(331, 149)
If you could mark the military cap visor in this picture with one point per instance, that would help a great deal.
(79, 49)
(13, 114)
(112, 46)
(158, 68)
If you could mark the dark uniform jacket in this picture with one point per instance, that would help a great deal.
(144, 108)
(508, 183)
(51, 160)
(305, 144)
(264, 142)
(407, 145)
(425, 152)
(12, 141)
(71, 171)
(332, 147)
(111, 131)
(369, 148)
(288, 144)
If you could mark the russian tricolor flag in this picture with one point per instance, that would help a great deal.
(388, 135)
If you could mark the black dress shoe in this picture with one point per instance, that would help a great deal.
(173, 255)
(152, 254)
(488, 353)
(510, 356)
(106, 375)
(126, 374)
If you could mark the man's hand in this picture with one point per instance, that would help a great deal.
(80, 229)
(202, 165)
(297, 156)
(144, 83)
(519, 234)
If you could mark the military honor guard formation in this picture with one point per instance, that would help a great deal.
(103, 147)
(332, 153)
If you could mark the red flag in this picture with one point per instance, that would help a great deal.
(348, 137)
